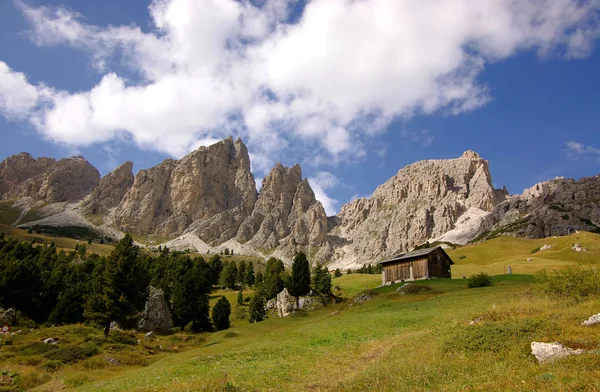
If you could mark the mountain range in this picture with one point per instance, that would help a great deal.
(207, 201)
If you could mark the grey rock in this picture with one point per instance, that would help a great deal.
(285, 303)
(50, 341)
(113, 361)
(149, 336)
(547, 352)
(271, 304)
(156, 312)
(593, 320)
(310, 302)
(111, 190)
(546, 247)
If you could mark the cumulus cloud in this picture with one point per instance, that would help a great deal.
(580, 150)
(320, 184)
(316, 87)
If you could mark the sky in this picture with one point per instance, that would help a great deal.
(353, 90)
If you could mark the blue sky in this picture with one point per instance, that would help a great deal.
(353, 91)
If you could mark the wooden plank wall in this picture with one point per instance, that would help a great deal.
(401, 271)
(439, 266)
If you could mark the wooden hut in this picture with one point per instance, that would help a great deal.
(419, 264)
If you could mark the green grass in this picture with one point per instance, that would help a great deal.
(493, 256)
(390, 343)
(8, 213)
(61, 243)
(353, 284)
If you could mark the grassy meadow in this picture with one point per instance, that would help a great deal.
(392, 342)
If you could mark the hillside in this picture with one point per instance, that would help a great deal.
(524, 255)
(391, 342)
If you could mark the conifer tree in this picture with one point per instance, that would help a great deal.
(256, 311)
(220, 314)
(249, 280)
(241, 273)
(321, 279)
(300, 279)
(118, 287)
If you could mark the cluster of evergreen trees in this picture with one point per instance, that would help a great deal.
(50, 285)
(365, 269)
(58, 287)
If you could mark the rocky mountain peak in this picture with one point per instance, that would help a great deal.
(470, 154)
(111, 190)
(69, 179)
(422, 201)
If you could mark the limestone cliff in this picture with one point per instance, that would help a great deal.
(111, 190)
(555, 207)
(45, 179)
(210, 192)
(287, 216)
(422, 201)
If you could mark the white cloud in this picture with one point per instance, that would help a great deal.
(318, 88)
(322, 182)
(579, 150)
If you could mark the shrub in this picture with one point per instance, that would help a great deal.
(52, 365)
(497, 336)
(412, 289)
(479, 280)
(124, 337)
(240, 298)
(72, 353)
(535, 250)
(574, 283)
(220, 314)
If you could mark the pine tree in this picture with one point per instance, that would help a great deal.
(249, 280)
(216, 267)
(256, 311)
(229, 275)
(272, 280)
(349, 272)
(258, 281)
(337, 273)
(118, 287)
(240, 298)
(321, 279)
(241, 273)
(300, 279)
(220, 314)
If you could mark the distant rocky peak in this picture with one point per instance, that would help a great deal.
(470, 154)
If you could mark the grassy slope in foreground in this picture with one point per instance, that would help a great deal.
(495, 255)
(391, 342)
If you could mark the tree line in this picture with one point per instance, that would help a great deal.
(48, 285)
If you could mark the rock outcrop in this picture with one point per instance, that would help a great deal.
(556, 207)
(422, 201)
(208, 192)
(286, 215)
(45, 179)
(547, 352)
(111, 190)
(157, 315)
(285, 303)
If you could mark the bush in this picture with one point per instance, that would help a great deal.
(220, 314)
(52, 365)
(412, 289)
(124, 337)
(498, 336)
(479, 280)
(72, 353)
(574, 283)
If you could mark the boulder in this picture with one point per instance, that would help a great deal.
(310, 302)
(546, 352)
(577, 248)
(546, 247)
(362, 298)
(593, 320)
(51, 341)
(285, 303)
(272, 303)
(156, 312)
(149, 336)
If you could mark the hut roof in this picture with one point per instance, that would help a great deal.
(415, 253)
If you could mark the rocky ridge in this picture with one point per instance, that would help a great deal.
(422, 201)
(208, 201)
